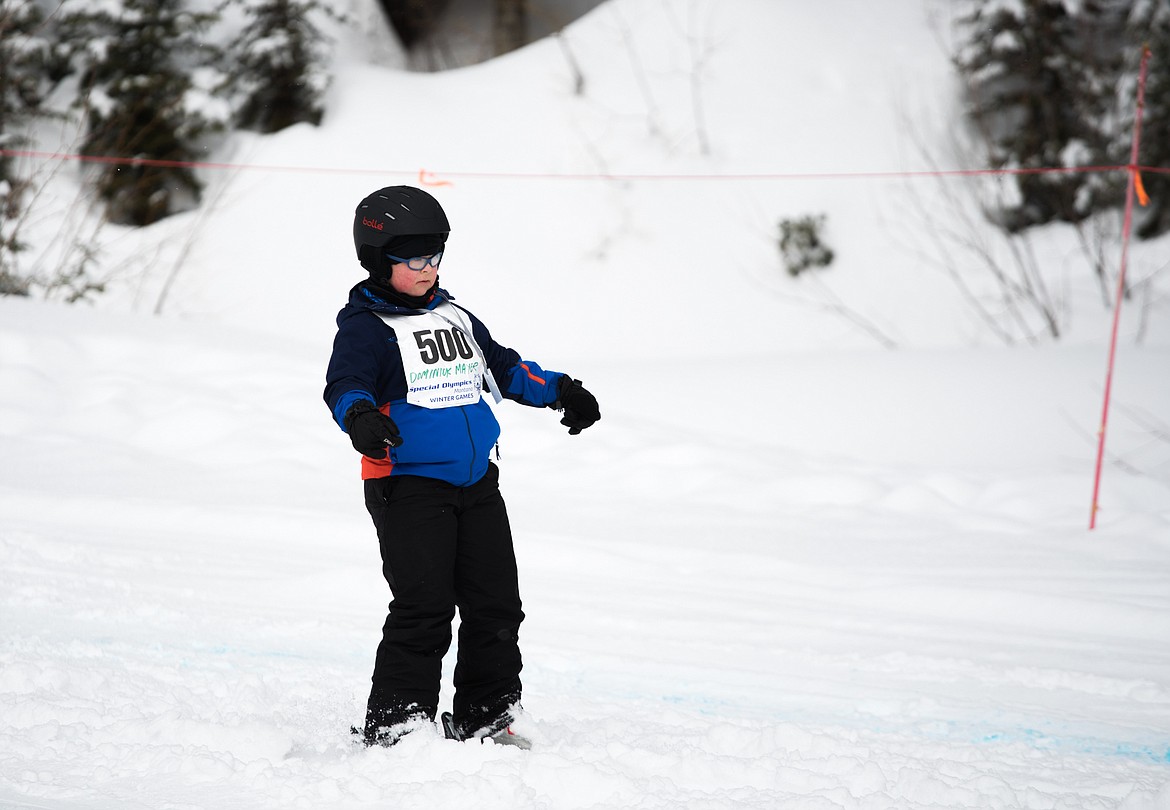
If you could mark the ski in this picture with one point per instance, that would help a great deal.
(450, 730)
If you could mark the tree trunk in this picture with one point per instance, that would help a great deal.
(510, 25)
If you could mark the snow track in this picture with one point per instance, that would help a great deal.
(714, 620)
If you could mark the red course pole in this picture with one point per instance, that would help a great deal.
(1134, 181)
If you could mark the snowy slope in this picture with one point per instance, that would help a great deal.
(776, 89)
(788, 569)
(723, 612)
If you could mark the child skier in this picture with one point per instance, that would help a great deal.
(405, 382)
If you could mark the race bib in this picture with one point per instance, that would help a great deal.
(443, 365)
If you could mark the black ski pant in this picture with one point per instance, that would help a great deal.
(444, 548)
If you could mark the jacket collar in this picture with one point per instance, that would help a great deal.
(362, 297)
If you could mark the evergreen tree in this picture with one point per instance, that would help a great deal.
(141, 102)
(1150, 25)
(1037, 91)
(277, 62)
(25, 68)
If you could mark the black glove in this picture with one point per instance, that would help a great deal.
(370, 430)
(579, 405)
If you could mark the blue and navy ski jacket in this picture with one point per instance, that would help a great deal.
(451, 444)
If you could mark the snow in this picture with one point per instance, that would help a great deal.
(789, 569)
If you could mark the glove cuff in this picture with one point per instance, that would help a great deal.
(357, 409)
(564, 385)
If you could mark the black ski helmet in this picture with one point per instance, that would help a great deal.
(393, 212)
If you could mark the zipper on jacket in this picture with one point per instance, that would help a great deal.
(471, 441)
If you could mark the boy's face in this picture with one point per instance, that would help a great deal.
(412, 282)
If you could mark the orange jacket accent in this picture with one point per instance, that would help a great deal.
(532, 376)
(378, 468)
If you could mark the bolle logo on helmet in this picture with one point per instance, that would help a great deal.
(372, 223)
